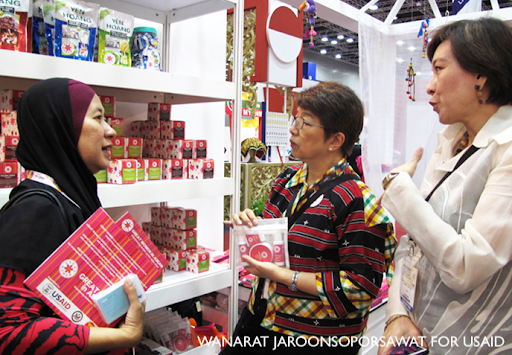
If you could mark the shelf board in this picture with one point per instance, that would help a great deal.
(126, 84)
(183, 285)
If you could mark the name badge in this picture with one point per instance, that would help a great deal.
(410, 275)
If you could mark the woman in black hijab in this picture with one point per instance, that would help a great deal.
(64, 140)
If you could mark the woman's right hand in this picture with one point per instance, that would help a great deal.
(246, 217)
(401, 327)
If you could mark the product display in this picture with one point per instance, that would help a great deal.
(159, 112)
(144, 49)
(122, 171)
(118, 125)
(109, 105)
(201, 168)
(8, 146)
(132, 148)
(9, 176)
(115, 32)
(16, 26)
(174, 169)
(198, 261)
(267, 241)
(9, 100)
(118, 148)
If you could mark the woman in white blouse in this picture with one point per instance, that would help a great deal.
(453, 279)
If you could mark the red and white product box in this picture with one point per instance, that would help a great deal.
(149, 148)
(122, 171)
(153, 169)
(156, 216)
(9, 100)
(166, 130)
(181, 149)
(9, 174)
(118, 125)
(184, 240)
(118, 145)
(136, 129)
(109, 105)
(162, 148)
(150, 130)
(173, 169)
(178, 129)
(198, 261)
(177, 259)
(200, 169)
(10, 124)
(141, 169)
(166, 234)
(8, 146)
(184, 218)
(166, 216)
(200, 149)
(156, 236)
(133, 148)
(159, 112)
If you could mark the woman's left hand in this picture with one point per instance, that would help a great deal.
(265, 269)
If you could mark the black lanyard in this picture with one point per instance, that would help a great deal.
(462, 159)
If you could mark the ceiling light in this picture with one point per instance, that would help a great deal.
(374, 7)
(341, 36)
(400, 42)
(411, 48)
(350, 40)
(338, 56)
(325, 39)
(334, 41)
(418, 73)
(399, 60)
(323, 51)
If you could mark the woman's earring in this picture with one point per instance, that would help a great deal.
(479, 94)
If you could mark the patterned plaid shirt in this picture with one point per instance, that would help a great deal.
(346, 239)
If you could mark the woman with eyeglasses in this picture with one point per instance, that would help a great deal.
(340, 241)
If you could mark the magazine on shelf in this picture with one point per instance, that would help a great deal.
(96, 256)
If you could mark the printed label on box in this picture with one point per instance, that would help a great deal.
(8, 174)
(118, 148)
(118, 125)
(154, 169)
(109, 105)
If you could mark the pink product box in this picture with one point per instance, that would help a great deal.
(174, 169)
(184, 218)
(177, 259)
(200, 169)
(9, 176)
(198, 261)
(122, 171)
(184, 240)
(109, 105)
(133, 148)
(118, 125)
(153, 169)
(118, 145)
(150, 130)
(149, 148)
(178, 129)
(159, 112)
(162, 148)
(166, 234)
(8, 146)
(166, 216)
(10, 124)
(136, 129)
(9, 99)
(156, 235)
(181, 149)
(146, 227)
(141, 169)
(156, 216)
(200, 149)
(166, 130)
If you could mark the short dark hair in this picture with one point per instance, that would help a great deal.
(338, 109)
(483, 47)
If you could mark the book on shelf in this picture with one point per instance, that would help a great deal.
(97, 255)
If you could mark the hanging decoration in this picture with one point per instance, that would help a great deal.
(309, 8)
(411, 82)
(424, 32)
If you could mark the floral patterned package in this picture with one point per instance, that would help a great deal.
(115, 32)
(16, 25)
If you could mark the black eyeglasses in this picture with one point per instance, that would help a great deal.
(299, 122)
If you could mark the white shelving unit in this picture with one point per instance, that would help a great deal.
(20, 70)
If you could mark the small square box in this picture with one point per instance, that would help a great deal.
(177, 259)
(141, 169)
(166, 234)
(146, 227)
(122, 171)
(184, 240)
(9, 99)
(101, 177)
(133, 148)
(109, 105)
(156, 216)
(201, 168)
(156, 235)
(200, 149)
(118, 125)
(149, 148)
(118, 145)
(8, 174)
(178, 129)
(181, 149)
(8, 146)
(10, 124)
(198, 261)
(173, 169)
(151, 130)
(153, 169)
(166, 216)
(159, 111)
(184, 218)
(136, 129)
(162, 148)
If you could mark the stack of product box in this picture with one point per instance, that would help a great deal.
(173, 230)
(11, 172)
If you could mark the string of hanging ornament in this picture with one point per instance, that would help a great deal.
(411, 82)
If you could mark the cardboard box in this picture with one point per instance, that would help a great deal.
(118, 145)
(122, 171)
(166, 216)
(156, 216)
(8, 174)
(200, 149)
(146, 227)
(156, 235)
(178, 129)
(149, 148)
(136, 129)
(177, 259)
(181, 149)
(166, 234)
(201, 169)
(10, 124)
(150, 130)
(8, 146)
(184, 239)
(174, 169)
(101, 177)
(159, 111)
(133, 148)
(9, 99)
(109, 105)
(141, 169)
(153, 169)
(118, 125)
(162, 148)
(184, 218)
(198, 261)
